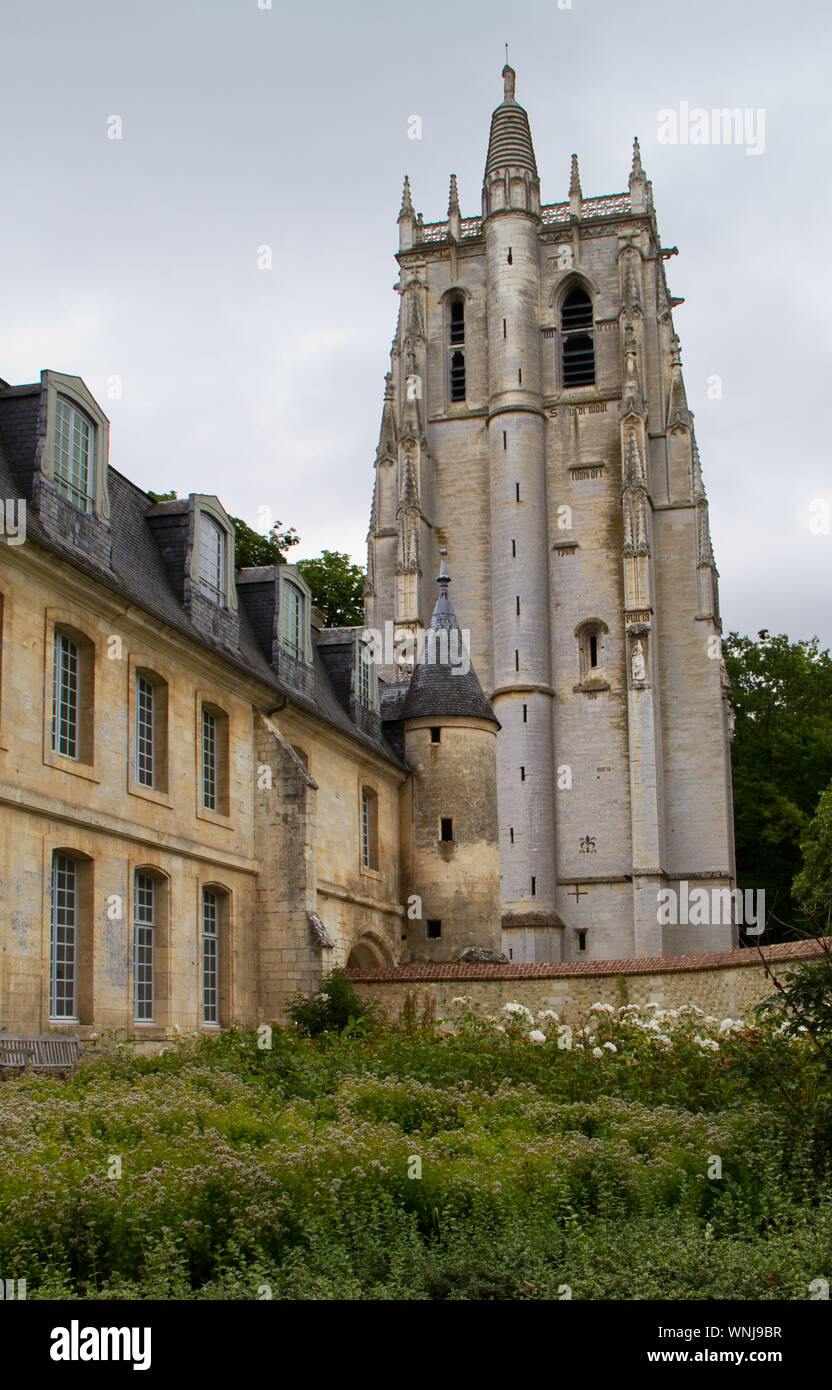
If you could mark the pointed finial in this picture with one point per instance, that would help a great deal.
(444, 577)
(407, 204)
(453, 199)
(509, 78)
(575, 179)
(637, 171)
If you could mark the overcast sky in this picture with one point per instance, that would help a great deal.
(244, 127)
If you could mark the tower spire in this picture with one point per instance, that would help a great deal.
(638, 181)
(510, 155)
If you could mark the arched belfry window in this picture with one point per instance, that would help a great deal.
(456, 339)
(458, 376)
(457, 322)
(577, 336)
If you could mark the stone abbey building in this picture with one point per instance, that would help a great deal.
(535, 424)
(208, 798)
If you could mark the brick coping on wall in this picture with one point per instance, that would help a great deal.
(651, 965)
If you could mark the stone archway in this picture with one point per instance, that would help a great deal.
(369, 952)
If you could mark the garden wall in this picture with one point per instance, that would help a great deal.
(724, 983)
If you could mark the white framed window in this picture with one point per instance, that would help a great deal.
(209, 759)
(63, 1002)
(210, 956)
(292, 610)
(145, 732)
(364, 685)
(369, 828)
(65, 693)
(144, 927)
(74, 449)
(212, 544)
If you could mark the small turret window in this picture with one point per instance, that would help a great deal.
(578, 344)
(446, 828)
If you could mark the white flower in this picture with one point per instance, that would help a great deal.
(611, 1047)
(512, 1008)
(549, 1013)
(322, 998)
(500, 1028)
(602, 1008)
(629, 1008)
(536, 1036)
(460, 999)
(707, 1044)
(596, 1052)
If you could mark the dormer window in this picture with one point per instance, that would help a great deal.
(74, 446)
(212, 559)
(366, 676)
(293, 618)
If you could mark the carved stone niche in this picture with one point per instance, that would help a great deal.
(637, 653)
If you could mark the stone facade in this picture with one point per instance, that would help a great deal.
(568, 492)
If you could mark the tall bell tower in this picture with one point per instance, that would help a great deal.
(535, 424)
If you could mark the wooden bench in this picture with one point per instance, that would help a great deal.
(41, 1054)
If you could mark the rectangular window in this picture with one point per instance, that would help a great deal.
(446, 828)
(511, 835)
(514, 550)
(210, 956)
(517, 492)
(525, 714)
(518, 605)
(434, 930)
(145, 752)
(211, 559)
(435, 734)
(209, 760)
(365, 830)
(534, 887)
(65, 696)
(74, 436)
(364, 672)
(522, 774)
(144, 923)
(64, 971)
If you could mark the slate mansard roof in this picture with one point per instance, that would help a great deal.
(137, 570)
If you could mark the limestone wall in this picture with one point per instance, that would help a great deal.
(723, 983)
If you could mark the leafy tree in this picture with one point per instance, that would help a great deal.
(253, 548)
(337, 588)
(163, 496)
(813, 885)
(782, 761)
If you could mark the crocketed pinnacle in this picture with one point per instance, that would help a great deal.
(453, 197)
(636, 171)
(407, 204)
(575, 179)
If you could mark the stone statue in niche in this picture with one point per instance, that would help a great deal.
(637, 666)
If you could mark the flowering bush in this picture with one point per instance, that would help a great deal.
(543, 1151)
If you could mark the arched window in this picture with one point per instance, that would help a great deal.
(578, 345)
(369, 828)
(590, 635)
(458, 376)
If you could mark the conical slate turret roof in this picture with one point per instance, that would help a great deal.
(510, 141)
(440, 685)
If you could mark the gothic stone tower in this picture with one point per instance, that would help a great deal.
(535, 424)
